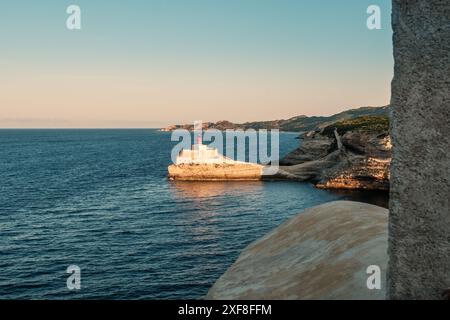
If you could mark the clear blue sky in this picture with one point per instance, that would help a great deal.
(155, 62)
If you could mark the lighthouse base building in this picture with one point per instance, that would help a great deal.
(202, 163)
(200, 154)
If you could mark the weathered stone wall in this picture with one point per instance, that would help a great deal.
(419, 226)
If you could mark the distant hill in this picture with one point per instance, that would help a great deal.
(295, 124)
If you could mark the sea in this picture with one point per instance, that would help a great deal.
(100, 200)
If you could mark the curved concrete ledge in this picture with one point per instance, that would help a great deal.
(321, 253)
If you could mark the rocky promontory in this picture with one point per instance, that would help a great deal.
(354, 153)
(216, 172)
(321, 253)
(349, 154)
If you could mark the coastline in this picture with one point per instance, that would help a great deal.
(352, 154)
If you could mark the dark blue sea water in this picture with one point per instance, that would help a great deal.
(100, 199)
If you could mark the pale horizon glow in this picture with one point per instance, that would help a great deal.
(152, 64)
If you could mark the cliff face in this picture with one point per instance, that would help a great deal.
(215, 172)
(314, 147)
(358, 159)
(322, 253)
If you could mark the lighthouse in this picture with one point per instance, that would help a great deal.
(199, 139)
(198, 132)
(205, 162)
(199, 152)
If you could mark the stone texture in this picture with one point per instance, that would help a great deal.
(362, 162)
(375, 146)
(322, 253)
(419, 226)
(215, 172)
(314, 147)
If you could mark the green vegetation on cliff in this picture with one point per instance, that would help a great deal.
(370, 124)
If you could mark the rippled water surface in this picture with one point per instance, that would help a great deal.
(100, 199)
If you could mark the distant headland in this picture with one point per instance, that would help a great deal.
(296, 124)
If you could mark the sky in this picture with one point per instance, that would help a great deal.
(151, 63)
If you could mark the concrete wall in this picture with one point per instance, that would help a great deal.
(419, 226)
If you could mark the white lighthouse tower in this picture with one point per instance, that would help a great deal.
(200, 153)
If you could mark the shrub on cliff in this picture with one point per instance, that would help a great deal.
(371, 124)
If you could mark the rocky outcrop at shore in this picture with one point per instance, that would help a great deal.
(215, 172)
(352, 154)
(321, 253)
